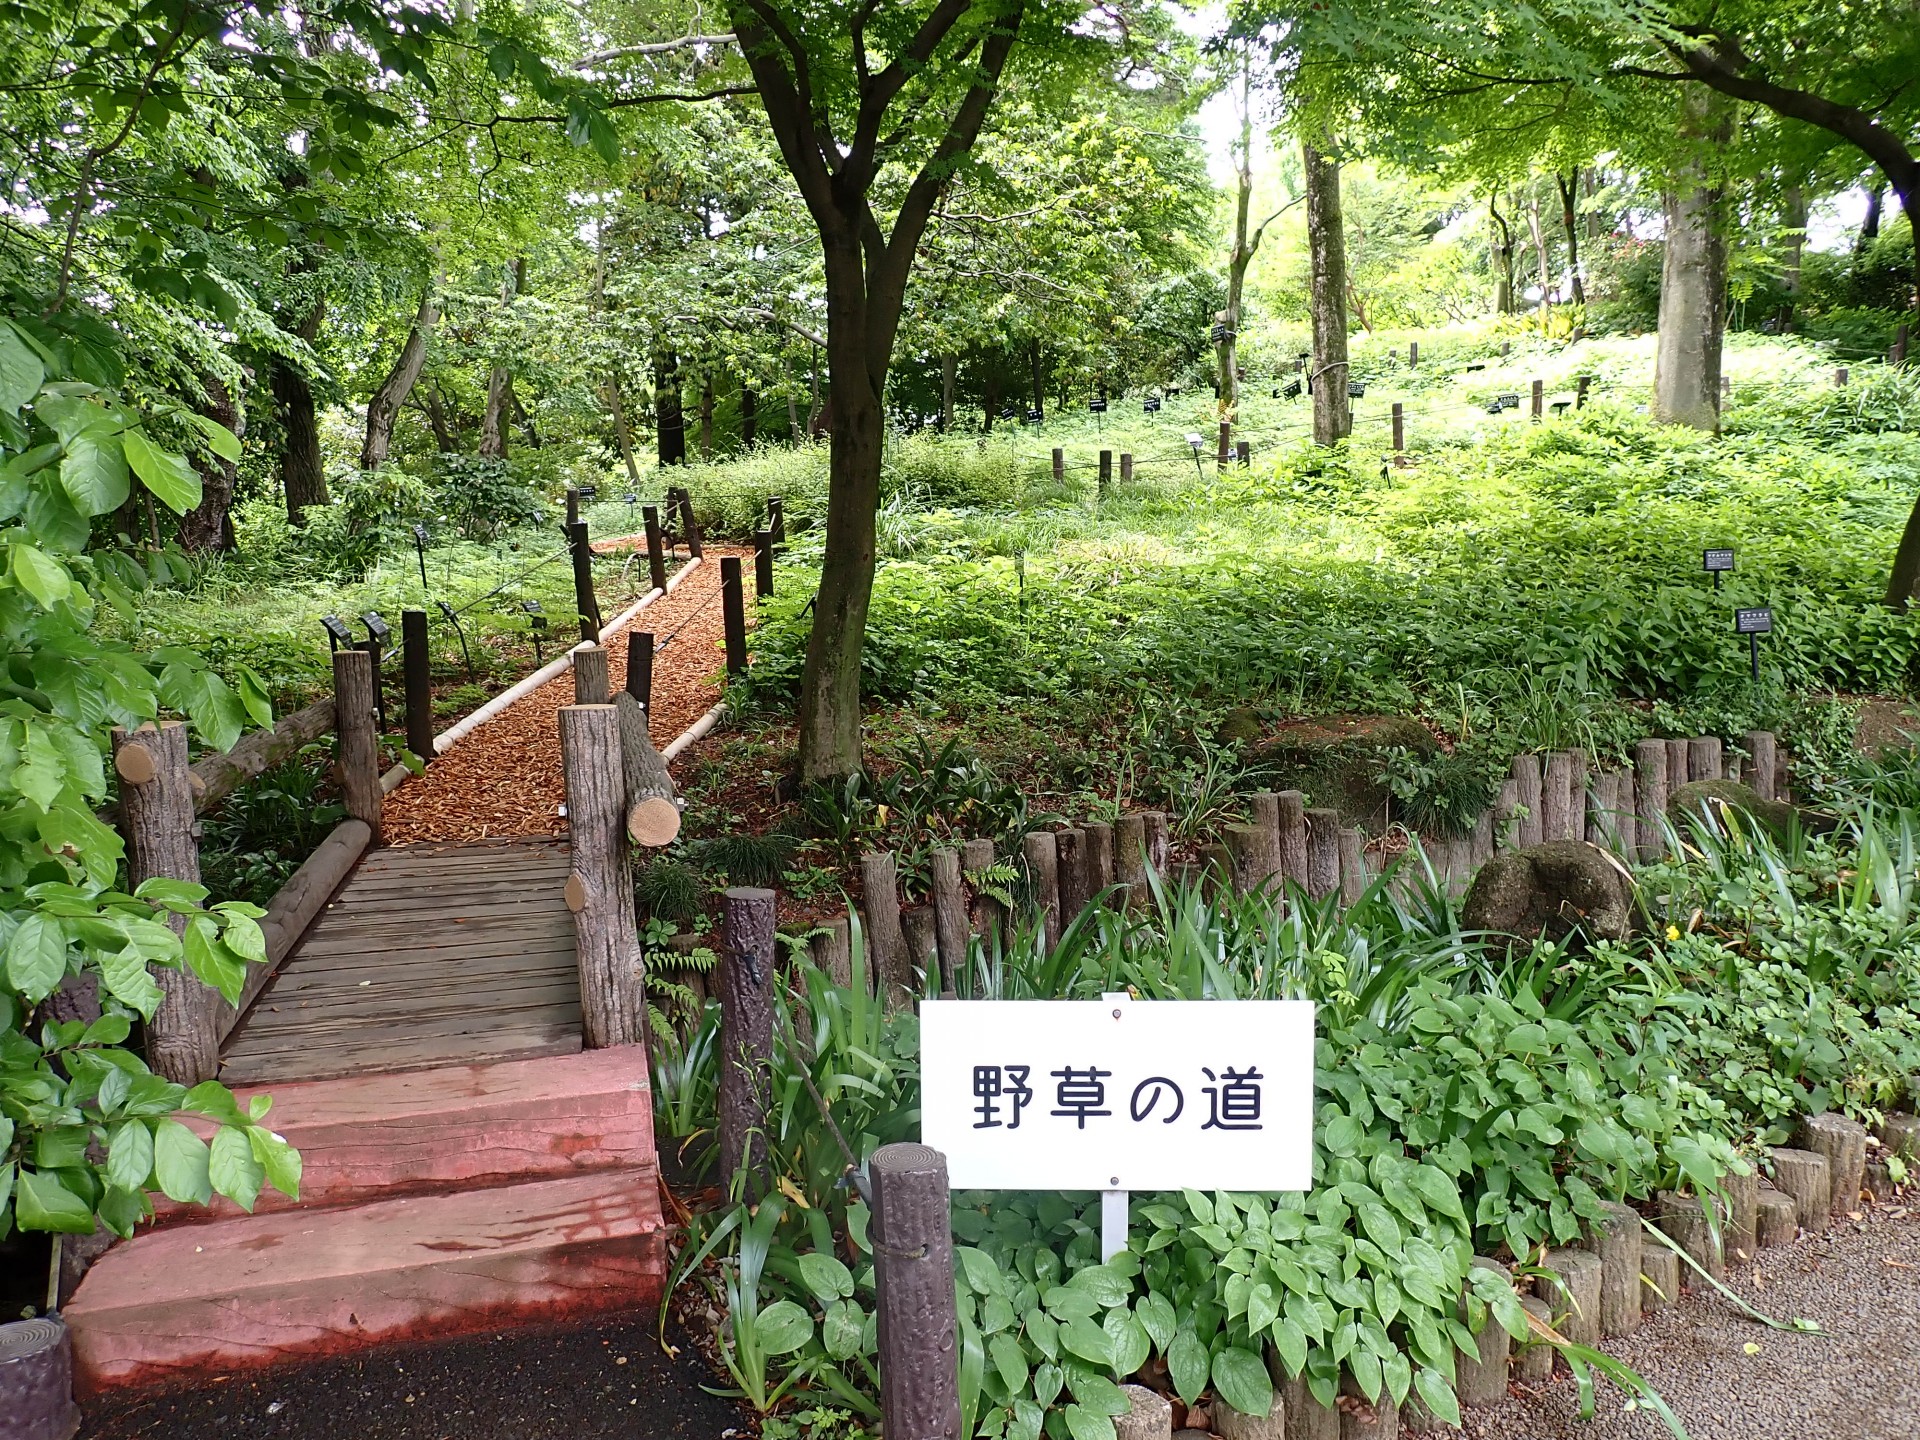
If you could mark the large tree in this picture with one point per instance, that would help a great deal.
(875, 107)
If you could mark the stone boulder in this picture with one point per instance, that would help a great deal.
(1337, 759)
(1714, 797)
(1554, 890)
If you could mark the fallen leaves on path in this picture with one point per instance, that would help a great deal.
(504, 779)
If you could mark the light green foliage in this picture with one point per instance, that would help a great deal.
(1466, 1101)
(67, 449)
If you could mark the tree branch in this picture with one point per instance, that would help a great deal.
(662, 47)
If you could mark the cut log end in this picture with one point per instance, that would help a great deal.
(653, 822)
(135, 764)
(576, 894)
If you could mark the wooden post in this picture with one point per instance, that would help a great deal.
(416, 666)
(923, 947)
(1413, 354)
(1043, 868)
(357, 760)
(1679, 765)
(1539, 398)
(1529, 791)
(1099, 847)
(985, 917)
(1840, 378)
(640, 667)
(914, 1297)
(746, 1037)
(1293, 836)
(372, 646)
(1506, 815)
(652, 801)
(1399, 428)
(1070, 852)
(1106, 471)
(1126, 467)
(1706, 758)
(1353, 865)
(584, 598)
(1226, 444)
(573, 506)
(156, 819)
(599, 890)
(590, 683)
(688, 525)
(1650, 797)
(1243, 452)
(733, 602)
(833, 953)
(1616, 1239)
(1159, 846)
(656, 548)
(762, 562)
(1762, 761)
(886, 941)
(777, 519)
(1580, 392)
(1130, 859)
(1556, 799)
(1323, 852)
(1256, 857)
(1059, 466)
(949, 915)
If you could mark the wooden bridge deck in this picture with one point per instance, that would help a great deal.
(428, 955)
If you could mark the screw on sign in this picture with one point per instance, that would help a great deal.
(1753, 623)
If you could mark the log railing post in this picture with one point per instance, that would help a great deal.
(590, 683)
(656, 547)
(584, 598)
(918, 1329)
(1126, 467)
(762, 562)
(1225, 450)
(1399, 428)
(416, 665)
(733, 604)
(777, 520)
(358, 749)
(640, 666)
(1539, 398)
(688, 525)
(1106, 471)
(887, 956)
(1059, 465)
(156, 818)
(1580, 387)
(746, 1037)
(599, 890)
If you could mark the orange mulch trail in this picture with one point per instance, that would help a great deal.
(504, 778)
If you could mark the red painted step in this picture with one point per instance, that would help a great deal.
(368, 1136)
(194, 1301)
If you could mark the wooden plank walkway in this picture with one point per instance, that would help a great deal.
(429, 955)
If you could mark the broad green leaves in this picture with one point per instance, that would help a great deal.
(20, 370)
(174, 482)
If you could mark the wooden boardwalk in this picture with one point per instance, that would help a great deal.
(429, 955)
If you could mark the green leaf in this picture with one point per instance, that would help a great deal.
(41, 1202)
(1128, 1338)
(1241, 1378)
(180, 1161)
(40, 575)
(1010, 1361)
(232, 1168)
(840, 1329)
(20, 370)
(1103, 1283)
(1437, 1394)
(94, 469)
(222, 441)
(209, 959)
(130, 1155)
(1187, 1364)
(279, 1159)
(781, 1327)
(1087, 1340)
(1290, 1343)
(825, 1276)
(1155, 1314)
(979, 1271)
(37, 957)
(174, 482)
(1084, 1423)
(125, 974)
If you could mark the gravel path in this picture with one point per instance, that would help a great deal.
(1860, 1281)
(504, 778)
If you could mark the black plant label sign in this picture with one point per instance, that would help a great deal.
(1716, 560)
(1757, 621)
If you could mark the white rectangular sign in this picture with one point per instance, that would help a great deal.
(1105, 1095)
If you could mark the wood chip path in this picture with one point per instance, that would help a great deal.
(504, 779)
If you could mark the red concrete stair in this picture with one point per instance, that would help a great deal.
(435, 1203)
(366, 1136)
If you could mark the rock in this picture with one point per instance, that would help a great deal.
(1337, 759)
(1241, 725)
(1151, 1417)
(1712, 797)
(1552, 890)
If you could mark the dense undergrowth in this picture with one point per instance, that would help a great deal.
(1469, 1101)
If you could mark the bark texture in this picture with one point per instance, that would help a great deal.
(1693, 282)
(1327, 297)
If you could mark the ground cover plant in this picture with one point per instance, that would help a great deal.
(1470, 1100)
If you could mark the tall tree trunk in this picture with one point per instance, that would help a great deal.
(989, 405)
(303, 479)
(493, 420)
(1570, 220)
(1693, 280)
(443, 440)
(524, 420)
(749, 417)
(816, 408)
(949, 366)
(1227, 348)
(1327, 297)
(1502, 258)
(1870, 222)
(1539, 236)
(622, 434)
(207, 527)
(706, 415)
(793, 409)
(1033, 367)
(670, 424)
(384, 407)
(1793, 221)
